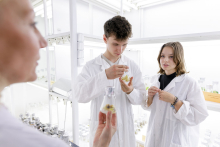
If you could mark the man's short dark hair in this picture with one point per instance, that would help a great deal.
(119, 27)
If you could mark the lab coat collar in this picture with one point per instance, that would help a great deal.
(98, 60)
(173, 82)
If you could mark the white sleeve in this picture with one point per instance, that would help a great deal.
(194, 109)
(136, 97)
(144, 104)
(88, 87)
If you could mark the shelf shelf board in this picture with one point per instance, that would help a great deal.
(59, 95)
(57, 35)
(181, 38)
(213, 106)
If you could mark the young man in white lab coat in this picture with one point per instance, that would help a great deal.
(107, 70)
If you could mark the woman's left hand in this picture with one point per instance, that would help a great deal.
(166, 96)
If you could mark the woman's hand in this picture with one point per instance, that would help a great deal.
(152, 91)
(166, 96)
(106, 129)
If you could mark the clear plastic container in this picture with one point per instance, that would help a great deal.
(126, 77)
(209, 88)
(147, 82)
(55, 129)
(66, 138)
(215, 87)
(61, 133)
(33, 116)
(200, 84)
(27, 115)
(203, 83)
(108, 103)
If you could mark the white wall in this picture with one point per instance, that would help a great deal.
(99, 18)
(63, 62)
(134, 18)
(40, 24)
(182, 17)
(61, 18)
(175, 18)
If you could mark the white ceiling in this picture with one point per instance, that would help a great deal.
(111, 5)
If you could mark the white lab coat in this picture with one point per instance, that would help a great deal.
(90, 86)
(168, 128)
(14, 133)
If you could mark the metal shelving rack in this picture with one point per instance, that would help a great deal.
(73, 45)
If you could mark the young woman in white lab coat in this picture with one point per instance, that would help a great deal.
(176, 102)
(20, 42)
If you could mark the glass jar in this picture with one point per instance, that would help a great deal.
(25, 121)
(147, 82)
(209, 88)
(61, 133)
(200, 84)
(32, 123)
(84, 136)
(65, 138)
(87, 136)
(108, 103)
(33, 116)
(27, 115)
(126, 77)
(55, 129)
(203, 83)
(215, 87)
(21, 117)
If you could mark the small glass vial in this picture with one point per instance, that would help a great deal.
(61, 133)
(46, 131)
(65, 138)
(25, 121)
(215, 87)
(209, 88)
(200, 84)
(202, 80)
(32, 123)
(147, 82)
(108, 103)
(84, 137)
(55, 129)
(48, 125)
(27, 115)
(126, 77)
(21, 116)
(33, 116)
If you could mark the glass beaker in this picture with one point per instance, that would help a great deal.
(215, 87)
(108, 103)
